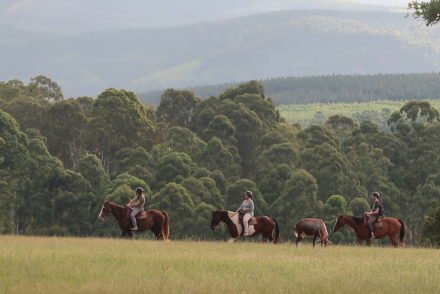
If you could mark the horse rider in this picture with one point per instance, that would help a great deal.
(370, 217)
(137, 205)
(247, 210)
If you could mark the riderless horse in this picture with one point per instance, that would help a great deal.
(267, 226)
(390, 226)
(154, 220)
(311, 227)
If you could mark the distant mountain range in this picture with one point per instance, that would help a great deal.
(277, 44)
(79, 16)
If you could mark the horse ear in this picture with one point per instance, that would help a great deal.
(106, 201)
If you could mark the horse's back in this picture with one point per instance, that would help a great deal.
(309, 223)
(312, 226)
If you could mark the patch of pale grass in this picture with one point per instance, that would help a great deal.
(74, 265)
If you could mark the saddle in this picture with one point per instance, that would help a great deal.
(252, 221)
(141, 215)
(378, 223)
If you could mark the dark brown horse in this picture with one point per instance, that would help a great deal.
(391, 227)
(154, 220)
(311, 227)
(267, 226)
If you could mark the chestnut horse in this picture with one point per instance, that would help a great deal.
(391, 227)
(311, 227)
(155, 220)
(267, 226)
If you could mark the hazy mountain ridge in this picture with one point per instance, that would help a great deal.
(80, 16)
(288, 43)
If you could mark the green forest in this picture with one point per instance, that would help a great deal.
(61, 158)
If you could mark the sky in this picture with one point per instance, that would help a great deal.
(89, 15)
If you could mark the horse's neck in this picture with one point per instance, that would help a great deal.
(350, 221)
(230, 218)
(117, 210)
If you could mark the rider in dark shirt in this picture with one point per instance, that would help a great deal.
(373, 215)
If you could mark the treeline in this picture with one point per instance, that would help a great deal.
(334, 88)
(60, 159)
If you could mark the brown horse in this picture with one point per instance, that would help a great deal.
(311, 227)
(267, 226)
(154, 220)
(391, 227)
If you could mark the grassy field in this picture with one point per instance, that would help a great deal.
(73, 265)
(304, 113)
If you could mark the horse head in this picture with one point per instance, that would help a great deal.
(339, 223)
(105, 210)
(216, 219)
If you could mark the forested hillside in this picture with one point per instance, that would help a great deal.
(60, 159)
(333, 88)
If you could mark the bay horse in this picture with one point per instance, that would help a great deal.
(392, 227)
(267, 226)
(309, 227)
(154, 220)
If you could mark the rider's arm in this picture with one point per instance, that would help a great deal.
(132, 202)
(376, 211)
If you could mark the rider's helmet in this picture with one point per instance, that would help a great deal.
(249, 193)
(139, 190)
(375, 194)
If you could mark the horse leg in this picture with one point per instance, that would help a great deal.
(298, 240)
(157, 233)
(271, 239)
(368, 242)
(314, 240)
(127, 234)
(394, 240)
(157, 230)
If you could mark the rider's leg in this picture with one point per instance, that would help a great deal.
(133, 213)
(246, 219)
(370, 222)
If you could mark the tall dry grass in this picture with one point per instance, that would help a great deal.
(73, 265)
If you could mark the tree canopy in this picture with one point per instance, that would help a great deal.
(61, 158)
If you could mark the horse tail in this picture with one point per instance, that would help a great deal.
(323, 233)
(277, 231)
(166, 226)
(402, 231)
(295, 233)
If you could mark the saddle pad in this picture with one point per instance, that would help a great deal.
(141, 215)
(252, 221)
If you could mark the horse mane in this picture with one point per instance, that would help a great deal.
(115, 204)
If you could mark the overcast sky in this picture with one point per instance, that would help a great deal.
(87, 15)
